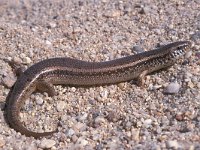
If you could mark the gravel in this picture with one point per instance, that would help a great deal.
(172, 88)
(47, 143)
(164, 114)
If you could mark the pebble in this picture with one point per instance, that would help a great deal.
(197, 55)
(70, 132)
(112, 14)
(9, 80)
(121, 85)
(198, 85)
(81, 141)
(27, 60)
(179, 116)
(17, 60)
(52, 25)
(104, 94)
(2, 142)
(113, 116)
(99, 120)
(137, 49)
(39, 100)
(147, 123)
(83, 117)
(196, 36)
(188, 54)
(22, 55)
(172, 88)
(74, 138)
(48, 42)
(79, 126)
(60, 105)
(47, 143)
(172, 144)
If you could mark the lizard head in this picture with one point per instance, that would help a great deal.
(178, 49)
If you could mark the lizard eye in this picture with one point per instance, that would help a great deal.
(178, 48)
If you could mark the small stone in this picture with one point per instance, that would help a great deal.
(77, 30)
(121, 86)
(145, 10)
(99, 120)
(172, 88)
(96, 137)
(60, 105)
(135, 134)
(188, 54)
(22, 55)
(27, 60)
(198, 85)
(104, 1)
(197, 54)
(2, 142)
(47, 143)
(179, 117)
(147, 123)
(9, 80)
(79, 126)
(112, 116)
(196, 36)
(112, 14)
(52, 25)
(74, 138)
(70, 132)
(81, 141)
(48, 42)
(17, 60)
(104, 94)
(137, 49)
(83, 117)
(39, 100)
(172, 144)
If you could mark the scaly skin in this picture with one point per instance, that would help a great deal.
(43, 75)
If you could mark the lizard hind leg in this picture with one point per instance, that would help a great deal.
(141, 78)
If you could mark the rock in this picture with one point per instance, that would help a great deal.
(172, 88)
(9, 80)
(112, 14)
(51, 25)
(172, 144)
(147, 123)
(2, 142)
(79, 126)
(39, 100)
(83, 117)
(179, 116)
(113, 116)
(81, 141)
(195, 36)
(70, 132)
(48, 42)
(99, 120)
(60, 105)
(188, 54)
(137, 49)
(104, 94)
(27, 60)
(17, 60)
(47, 143)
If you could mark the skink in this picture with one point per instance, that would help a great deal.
(43, 75)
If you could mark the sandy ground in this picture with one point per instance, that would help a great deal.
(122, 116)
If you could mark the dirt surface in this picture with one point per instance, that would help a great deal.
(122, 116)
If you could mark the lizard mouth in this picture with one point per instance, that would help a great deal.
(180, 51)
